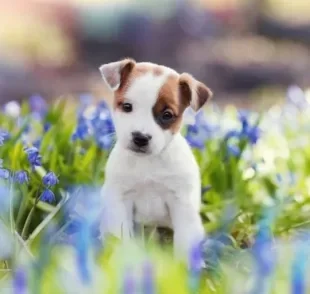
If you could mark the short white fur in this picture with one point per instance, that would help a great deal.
(161, 188)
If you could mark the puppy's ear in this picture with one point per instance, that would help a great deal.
(193, 93)
(116, 73)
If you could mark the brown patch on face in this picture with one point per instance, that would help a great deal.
(129, 75)
(170, 101)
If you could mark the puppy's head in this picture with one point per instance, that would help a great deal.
(149, 101)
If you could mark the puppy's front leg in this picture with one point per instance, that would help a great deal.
(116, 215)
(188, 228)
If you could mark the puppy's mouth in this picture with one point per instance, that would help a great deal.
(139, 150)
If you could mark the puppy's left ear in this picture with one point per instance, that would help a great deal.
(193, 93)
(116, 73)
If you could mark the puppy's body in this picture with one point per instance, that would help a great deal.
(152, 177)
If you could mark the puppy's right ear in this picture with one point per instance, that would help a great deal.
(115, 74)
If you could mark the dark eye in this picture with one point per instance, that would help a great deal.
(127, 107)
(167, 115)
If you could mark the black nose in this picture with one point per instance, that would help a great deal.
(141, 140)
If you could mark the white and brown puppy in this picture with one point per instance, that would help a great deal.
(151, 175)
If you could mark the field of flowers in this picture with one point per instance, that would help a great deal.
(256, 205)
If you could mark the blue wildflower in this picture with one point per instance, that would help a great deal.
(129, 286)
(20, 282)
(198, 133)
(21, 177)
(47, 196)
(264, 255)
(82, 247)
(34, 157)
(46, 126)
(196, 263)
(4, 136)
(50, 179)
(4, 173)
(148, 282)
(233, 150)
(82, 129)
(299, 269)
(38, 106)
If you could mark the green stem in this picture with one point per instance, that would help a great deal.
(30, 215)
(28, 221)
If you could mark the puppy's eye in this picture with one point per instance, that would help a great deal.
(127, 107)
(167, 115)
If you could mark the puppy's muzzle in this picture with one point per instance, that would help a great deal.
(141, 140)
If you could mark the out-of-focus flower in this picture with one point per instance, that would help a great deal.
(249, 132)
(299, 268)
(233, 150)
(296, 96)
(4, 173)
(4, 135)
(198, 133)
(21, 177)
(82, 129)
(47, 196)
(83, 243)
(129, 285)
(34, 157)
(148, 279)
(38, 106)
(46, 126)
(50, 179)
(12, 109)
(20, 281)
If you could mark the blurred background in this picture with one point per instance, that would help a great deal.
(247, 51)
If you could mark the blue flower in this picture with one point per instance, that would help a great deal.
(129, 286)
(148, 282)
(82, 247)
(248, 131)
(21, 177)
(47, 196)
(38, 106)
(4, 173)
(200, 132)
(299, 267)
(20, 282)
(4, 136)
(82, 130)
(50, 179)
(34, 157)
(46, 126)
(233, 150)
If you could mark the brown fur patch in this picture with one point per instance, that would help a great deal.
(137, 70)
(169, 98)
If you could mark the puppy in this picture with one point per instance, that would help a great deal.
(151, 176)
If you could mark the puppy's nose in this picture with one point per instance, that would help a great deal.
(141, 140)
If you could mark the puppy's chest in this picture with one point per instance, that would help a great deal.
(148, 196)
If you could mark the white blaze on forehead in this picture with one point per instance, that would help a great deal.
(144, 89)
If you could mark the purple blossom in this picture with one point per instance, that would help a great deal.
(4, 136)
(4, 173)
(20, 282)
(38, 106)
(299, 268)
(21, 177)
(47, 196)
(50, 179)
(129, 286)
(34, 157)
(148, 279)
